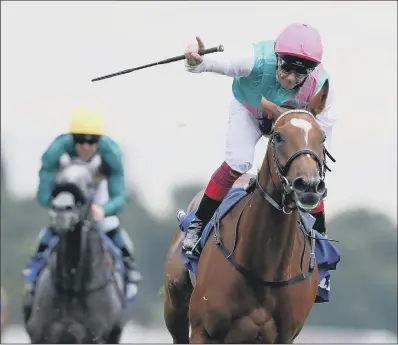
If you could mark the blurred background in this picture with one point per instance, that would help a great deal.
(171, 126)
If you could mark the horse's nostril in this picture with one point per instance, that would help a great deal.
(320, 188)
(314, 185)
(299, 184)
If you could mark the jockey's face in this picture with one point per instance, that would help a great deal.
(290, 75)
(288, 80)
(86, 145)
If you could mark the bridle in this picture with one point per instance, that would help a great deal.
(287, 191)
(282, 171)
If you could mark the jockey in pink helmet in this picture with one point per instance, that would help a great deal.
(286, 71)
(298, 48)
(300, 40)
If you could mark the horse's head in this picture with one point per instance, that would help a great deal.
(73, 189)
(296, 151)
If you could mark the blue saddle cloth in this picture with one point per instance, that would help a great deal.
(39, 261)
(327, 255)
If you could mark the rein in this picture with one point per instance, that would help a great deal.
(281, 172)
(78, 280)
(83, 245)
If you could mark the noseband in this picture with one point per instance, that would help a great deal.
(282, 171)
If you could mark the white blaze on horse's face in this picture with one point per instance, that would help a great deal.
(63, 213)
(304, 125)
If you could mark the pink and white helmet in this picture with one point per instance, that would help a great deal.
(300, 40)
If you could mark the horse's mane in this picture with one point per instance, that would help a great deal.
(294, 104)
(291, 104)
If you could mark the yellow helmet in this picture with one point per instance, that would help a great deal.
(86, 121)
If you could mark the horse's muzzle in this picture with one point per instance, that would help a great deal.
(63, 220)
(308, 192)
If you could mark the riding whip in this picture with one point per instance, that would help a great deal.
(219, 48)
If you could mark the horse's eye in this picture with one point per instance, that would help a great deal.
(278, 137)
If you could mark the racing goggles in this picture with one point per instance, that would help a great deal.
(86, 139)
(291, 64)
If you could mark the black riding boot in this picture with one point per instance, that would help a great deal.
(133, 276)
(205, 211)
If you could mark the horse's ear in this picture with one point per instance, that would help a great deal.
(318, 102)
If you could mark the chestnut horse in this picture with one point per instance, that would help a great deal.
(258, 280)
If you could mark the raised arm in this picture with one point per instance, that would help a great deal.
(235, 63)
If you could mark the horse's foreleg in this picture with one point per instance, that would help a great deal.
(176, 306)
(115, 335)
(298, 331)
(200, 336)
(177, 293)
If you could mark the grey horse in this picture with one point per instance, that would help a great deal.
(79, 294)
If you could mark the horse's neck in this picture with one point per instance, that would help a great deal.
(69, 250)
(269, 233)
(70, 261)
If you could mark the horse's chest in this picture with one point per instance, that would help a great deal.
(253, 326)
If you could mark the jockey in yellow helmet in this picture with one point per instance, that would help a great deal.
(86, 139)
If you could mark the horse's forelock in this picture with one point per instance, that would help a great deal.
(300, 113)
(294, 104)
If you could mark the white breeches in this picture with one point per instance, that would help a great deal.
(100, 198)
(243, 134)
